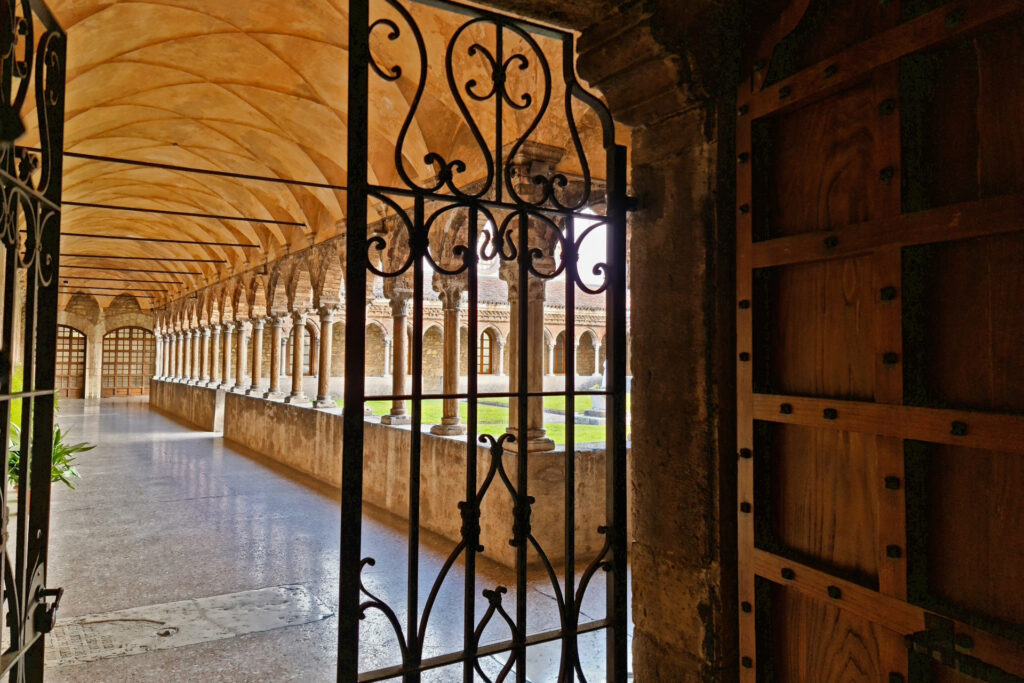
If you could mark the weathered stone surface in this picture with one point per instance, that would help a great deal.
(197, 405)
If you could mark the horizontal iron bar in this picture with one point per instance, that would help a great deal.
(26, 190)
(145, 258)
(121, 289)
(130, 270)
(27, 394)
(161, 239)
(187, 214)
(119, 279)
(201, 171)
(75, 291)
(482, 651)
(529, 394)
(488, 203)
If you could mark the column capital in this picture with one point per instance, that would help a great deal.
(449, 290)
(215, 329)
(327, 314)
(243, 326)
(258, 323)
(401, 301)
(204, 331)
(228, 327)
(537, 287)
(298, 317)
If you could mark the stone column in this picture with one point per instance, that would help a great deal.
(159, 348)
(172, 354)
(400, 300)
(323, 399)
(242, 339)
(299, 327)
(179, 355)
(387, 358)
(161, 368)
(197, 371)
(225, 364)
(536, 434)
(186, 368)
(215, 370)
(276, 326)
(501, 357)
(204, 375)
(551, 356)
(257, 358)
(450, 292)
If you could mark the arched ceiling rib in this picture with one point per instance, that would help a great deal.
(254, 87)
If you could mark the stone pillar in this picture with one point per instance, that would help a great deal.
(158, 368)
(257, 358)
(197, 339)
(323, 399)
(161, 368)
(215, 369)
(551, 356)
(501, 357)
(450, 292)
(298, 338)
(179, 355)
(276, 326)
(400, 300)
(225, 364)
(242, 339)
(387, 358)
(186, 368)
(536, 434)
(204, 375)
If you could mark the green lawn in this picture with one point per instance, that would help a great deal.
(493, 419)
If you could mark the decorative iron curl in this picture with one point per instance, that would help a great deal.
(462, 253)
(18, 29)
(494, 605)
(500, 244)
(600, 269)
(535, 122)
(395, 72)
(534, 254)
(376, 603)
(380, 243)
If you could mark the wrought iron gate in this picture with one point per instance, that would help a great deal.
(33, 60)
(498, 72)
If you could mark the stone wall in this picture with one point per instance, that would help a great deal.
(199, 406)
(310, 441)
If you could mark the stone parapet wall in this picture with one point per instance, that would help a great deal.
(199, 406)
(310, 441)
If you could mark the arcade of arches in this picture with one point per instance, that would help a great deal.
(826, 297)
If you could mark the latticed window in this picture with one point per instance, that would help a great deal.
(484, 364)
(128, 358)
(70, 362)
(560, 354)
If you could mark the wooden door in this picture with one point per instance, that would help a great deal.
(70, 359)
(128, 362)
(880, 330)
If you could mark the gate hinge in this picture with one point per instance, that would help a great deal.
(46, 613)
(941, 643)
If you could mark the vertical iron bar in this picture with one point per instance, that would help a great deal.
(615, 477)
(355, 343)
(569, 637)
(523, 446)
(499, 164)
(469, 622)
(417, 242)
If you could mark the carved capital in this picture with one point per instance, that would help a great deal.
(449, 290)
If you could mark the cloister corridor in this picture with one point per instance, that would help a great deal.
(165, 513)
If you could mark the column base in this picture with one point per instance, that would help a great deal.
(396, 419)
(225, 386)
(535, 444)
(273, 395)
(238, 389)
(448, 430)
(294, 399)
(254, 391)
(325, 403)
(591, 412)
(367, 411)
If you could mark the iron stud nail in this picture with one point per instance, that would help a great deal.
(886, 174)
(958, 428)
(964, 641)
(893, 551)
(745, 508)
(831, 242)
(887, 107)
(746, 607)
(834, 592)
(743, 157)
(896, 678)
(784, 92)
(888, 293)
(831, 70)
(743, 110)
(891, 358)
(830, 413)
(746, 453)
(788, 574)
(786, 409)
(744, 303)
(747, 662)
(744, 208)
(892, 483)
(955, 17)
(744, 356)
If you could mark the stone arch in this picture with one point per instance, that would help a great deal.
(338, 349)
(310, 349)
(559, 355)
(586, 354)
(240, 302)
(85, 305)
(376, 353)
(277, 292)
(258, 298)
(487, 351)
(300, 288)
(433, 352)
(227, 308)
(329, 283)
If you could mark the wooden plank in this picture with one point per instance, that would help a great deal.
(895, 614)
(987, 431)
(836, 73)
(993, 216)
(744, 404)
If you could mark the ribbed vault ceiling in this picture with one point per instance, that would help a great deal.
(255, 87)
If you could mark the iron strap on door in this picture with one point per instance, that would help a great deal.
(33, 73)
(439, 216)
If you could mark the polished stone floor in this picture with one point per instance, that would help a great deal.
(164, 513)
